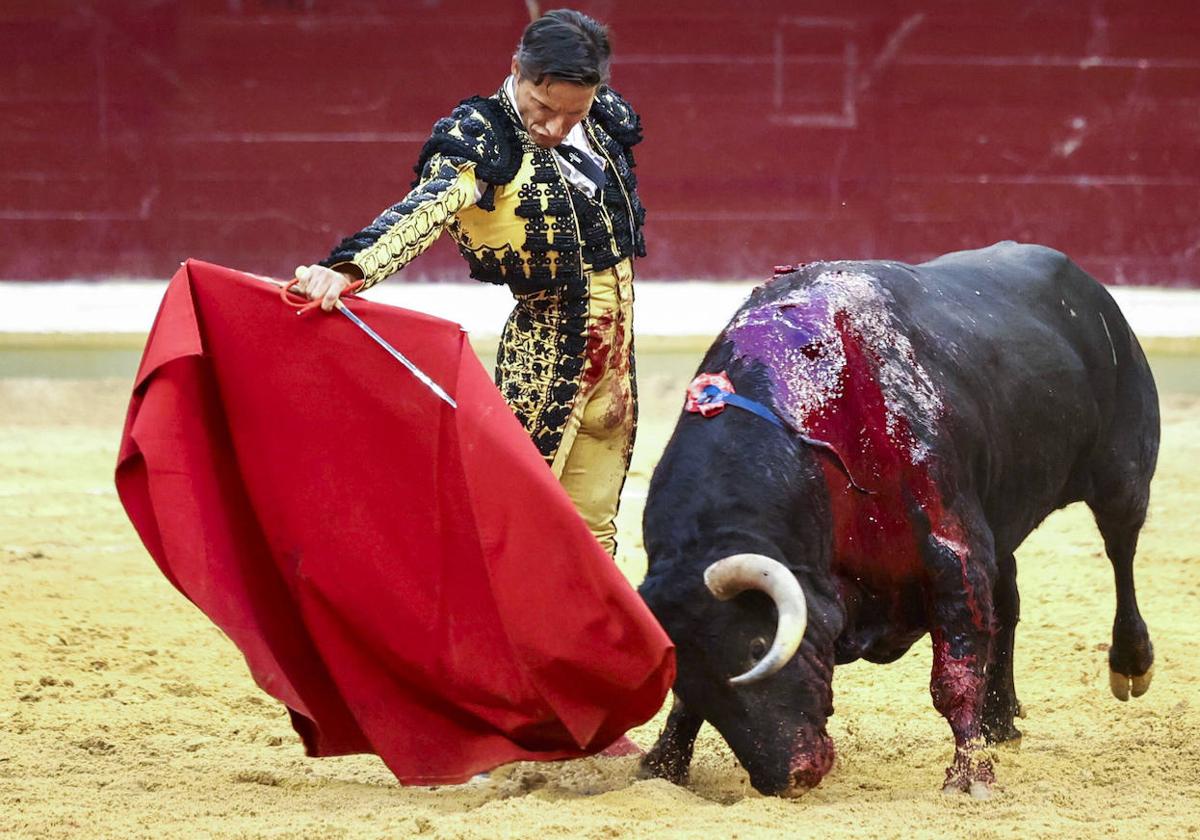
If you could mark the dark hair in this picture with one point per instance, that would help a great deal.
(567, 45)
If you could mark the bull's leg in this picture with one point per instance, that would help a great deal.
(672, 755)
(963, 572)
(1000, 704)
(1131, 657)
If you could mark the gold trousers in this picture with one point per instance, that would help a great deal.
(582, 417)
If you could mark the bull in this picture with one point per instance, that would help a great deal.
(864, 448)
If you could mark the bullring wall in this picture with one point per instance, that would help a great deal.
(256, 133)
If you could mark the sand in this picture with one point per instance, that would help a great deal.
(125, 713)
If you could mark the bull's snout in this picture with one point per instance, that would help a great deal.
(812, 758)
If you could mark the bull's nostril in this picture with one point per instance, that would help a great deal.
(794, 793)
(799, 783)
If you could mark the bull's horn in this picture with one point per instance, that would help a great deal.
(731, 575)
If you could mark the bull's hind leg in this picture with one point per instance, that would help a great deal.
(672, 755)
(1000, 704)
(1120, 476)
(1131, 657)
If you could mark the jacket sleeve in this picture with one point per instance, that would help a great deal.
(404, 230)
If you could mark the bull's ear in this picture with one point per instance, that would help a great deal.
(673, 597)
(655, 591)
(649, 586)
(663, 587)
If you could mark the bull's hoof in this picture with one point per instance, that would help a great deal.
(1123, 685)
(1001, 732)
(976, 790)
(972, 775)
(997, 725)
(654, 766)
(980, 790)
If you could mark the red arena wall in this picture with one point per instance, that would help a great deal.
(256, 133)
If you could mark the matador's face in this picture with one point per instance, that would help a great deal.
(550, 110)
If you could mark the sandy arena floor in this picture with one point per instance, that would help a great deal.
(125, 713)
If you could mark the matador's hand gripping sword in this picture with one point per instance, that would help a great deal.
(376, 337)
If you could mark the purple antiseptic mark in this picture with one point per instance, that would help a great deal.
(800, 339)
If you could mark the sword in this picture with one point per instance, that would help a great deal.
(376, 337)
(396, 354)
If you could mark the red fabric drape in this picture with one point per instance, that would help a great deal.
(409, 579)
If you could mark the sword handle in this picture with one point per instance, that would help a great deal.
(286, 290)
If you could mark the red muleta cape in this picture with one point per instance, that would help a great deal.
(409, 579)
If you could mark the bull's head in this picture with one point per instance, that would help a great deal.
(745, 667)
(738, 539)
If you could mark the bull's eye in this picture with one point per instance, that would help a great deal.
(758, 649)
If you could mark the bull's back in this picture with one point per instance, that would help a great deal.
(1039, 372)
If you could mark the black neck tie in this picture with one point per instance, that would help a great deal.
(584, 164)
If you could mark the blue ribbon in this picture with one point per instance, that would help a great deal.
(712, 393)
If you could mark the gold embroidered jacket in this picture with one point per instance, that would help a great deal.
(530, 229)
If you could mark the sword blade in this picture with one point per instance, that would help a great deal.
(397, 355)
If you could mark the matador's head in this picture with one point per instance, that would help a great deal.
(562, 60)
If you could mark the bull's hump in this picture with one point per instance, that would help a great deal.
(840, 364)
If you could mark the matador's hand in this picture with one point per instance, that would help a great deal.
(321, 283)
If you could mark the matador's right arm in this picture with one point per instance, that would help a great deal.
(404, 230)
(477, 143)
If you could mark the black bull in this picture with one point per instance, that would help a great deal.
(969, 397)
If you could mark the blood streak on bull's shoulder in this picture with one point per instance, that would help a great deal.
(841, 370)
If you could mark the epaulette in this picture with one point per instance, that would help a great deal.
(616, 116)
(480, 131)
